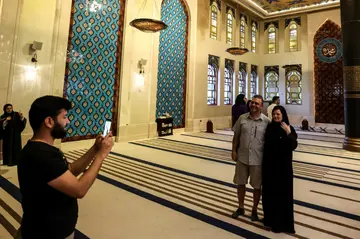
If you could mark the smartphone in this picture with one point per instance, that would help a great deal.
(107, 127)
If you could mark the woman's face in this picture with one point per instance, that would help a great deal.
(277, 116)
(9, 109)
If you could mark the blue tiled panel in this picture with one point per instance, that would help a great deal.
(171, 68)
(91, 68)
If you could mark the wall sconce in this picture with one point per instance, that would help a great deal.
(36, 46)
(30, 73)
(141, 65)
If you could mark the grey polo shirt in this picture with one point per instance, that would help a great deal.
(251, 134)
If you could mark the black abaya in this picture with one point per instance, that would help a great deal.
(277, 189)
(11, 137)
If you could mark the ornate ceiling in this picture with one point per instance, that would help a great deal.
(283, 5)
(268, 8)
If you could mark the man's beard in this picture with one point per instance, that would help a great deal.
(58, 132)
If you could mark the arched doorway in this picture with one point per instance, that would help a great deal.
(328, 74)
(172, 66)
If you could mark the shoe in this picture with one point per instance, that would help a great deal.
(238, 212)
(254, 216)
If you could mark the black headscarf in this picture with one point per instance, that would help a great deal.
(240, 100)
(274, 130)
(283, 112)
(6, 114)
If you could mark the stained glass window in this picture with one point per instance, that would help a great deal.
(242, 78)
(272, 39)
(253, 37)
(293, 87)
(213, 70)
(228, 81)
(213, 25)
(271, 84)
(242, 32)
(293, 37)
(253, 81)
(229, 28)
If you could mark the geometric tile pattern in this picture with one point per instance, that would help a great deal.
(328, 74)
(92, 66)
(267, 24)
(218, 2)
(295, 19)
(171, 84)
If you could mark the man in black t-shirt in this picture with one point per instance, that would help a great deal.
(48, 183)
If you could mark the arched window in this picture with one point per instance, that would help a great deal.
(272, 39)
(253, 37)
(229, 28)
(293, 37)
(212, 89)
(242, 82)
(271, 85)
(253, 81)
(228, 81)
(242, 32)
(293, 87)
(213, 23)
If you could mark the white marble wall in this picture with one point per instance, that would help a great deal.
(22, 23)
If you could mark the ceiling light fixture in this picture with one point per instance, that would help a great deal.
(237, 51)
(147, 24)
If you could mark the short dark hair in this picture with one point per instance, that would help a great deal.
(46, 106)
(275, 98)
(259, 97)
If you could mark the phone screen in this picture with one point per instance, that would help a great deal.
(107, 128)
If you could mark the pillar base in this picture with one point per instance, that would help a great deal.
(352, 144)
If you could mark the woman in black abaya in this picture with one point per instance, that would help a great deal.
(277, 188)
(11, 125)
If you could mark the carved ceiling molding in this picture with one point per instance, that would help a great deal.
(263, 14)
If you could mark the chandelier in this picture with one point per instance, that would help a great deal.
(237, 51)
(147, 24)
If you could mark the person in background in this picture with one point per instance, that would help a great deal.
(247, 151)
(239, 108)
(48, 182)
(277, 173)
(11, 125)
(275, 102)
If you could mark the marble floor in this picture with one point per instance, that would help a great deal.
(181, 187)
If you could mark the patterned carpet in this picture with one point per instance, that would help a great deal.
(212, 197)
(333, 151)
(200, 196)
(308, 171)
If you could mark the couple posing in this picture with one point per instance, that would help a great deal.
(263, 151)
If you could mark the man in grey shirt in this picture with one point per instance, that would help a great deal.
(247, 151)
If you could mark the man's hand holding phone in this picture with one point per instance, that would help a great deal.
(104, 144)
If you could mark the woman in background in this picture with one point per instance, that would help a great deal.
(239, 108)
(11, 125)
(277, 173)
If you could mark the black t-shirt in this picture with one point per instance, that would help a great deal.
(48, 213)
